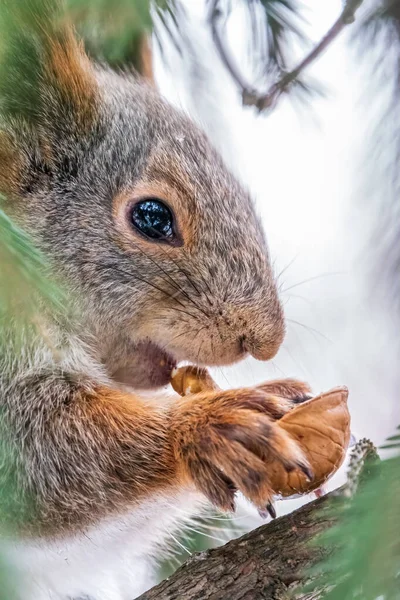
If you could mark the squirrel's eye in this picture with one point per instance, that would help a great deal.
(154, 220)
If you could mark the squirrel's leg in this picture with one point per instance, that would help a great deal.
(88, 451)
(84, 451)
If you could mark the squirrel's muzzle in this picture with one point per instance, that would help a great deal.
(258, 330)
(264, 347)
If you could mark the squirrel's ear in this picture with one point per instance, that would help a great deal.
(69, 76)
(48, 93)
(46, 79)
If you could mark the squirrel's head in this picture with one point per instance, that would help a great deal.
(138, 212)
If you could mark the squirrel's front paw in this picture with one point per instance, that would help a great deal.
(285, 394)
(224, 441)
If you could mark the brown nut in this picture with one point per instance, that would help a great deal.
(192, 380)
(321, 426)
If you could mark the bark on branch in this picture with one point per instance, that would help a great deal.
(266, 563)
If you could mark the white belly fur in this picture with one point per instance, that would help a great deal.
(114, 561)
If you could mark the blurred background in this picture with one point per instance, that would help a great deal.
(321, 160)
(323, 170)
(322, 166)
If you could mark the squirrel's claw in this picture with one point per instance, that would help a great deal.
(268, 510)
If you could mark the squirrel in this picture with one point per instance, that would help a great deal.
(166, 262)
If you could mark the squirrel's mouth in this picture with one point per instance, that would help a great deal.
(149, 367)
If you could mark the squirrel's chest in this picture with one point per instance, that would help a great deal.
(114, 561)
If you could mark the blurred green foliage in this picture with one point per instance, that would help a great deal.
(363, 559)
(25, 285)
(112, 30)
(25, 27)
(26, 290)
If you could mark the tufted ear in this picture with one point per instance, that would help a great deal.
(48, 89)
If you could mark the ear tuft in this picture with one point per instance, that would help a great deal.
(70, 74)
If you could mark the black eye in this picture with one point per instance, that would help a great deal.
(154, 220)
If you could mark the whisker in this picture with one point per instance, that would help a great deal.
(175, 338)
(151, 284)
(286, 268)
(194, 331)
(307, 300)
(296, 362)
(311, 329)
(173, 296)
(220, 369)
(212, 345)
(198, 353)
(195, 286)
(184, 272)
(311, 279)
(184, 311)
(176, 286)
(276, 367)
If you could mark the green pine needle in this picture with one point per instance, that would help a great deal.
(112, 31)
(24, 26)
(364, 558)
(25, 286)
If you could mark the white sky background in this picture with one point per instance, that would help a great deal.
(305, 171)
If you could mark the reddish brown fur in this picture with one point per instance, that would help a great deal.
(146, 59)
(131, 441)
(11, 165)
(291, 389)
(283, 394)
(71, 72)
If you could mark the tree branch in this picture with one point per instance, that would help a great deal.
(265, 563)
(269, 562)
(262, 101)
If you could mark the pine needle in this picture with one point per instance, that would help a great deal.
(363, 559)
(25, 285)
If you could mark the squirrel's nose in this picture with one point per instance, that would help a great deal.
(266, 345)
